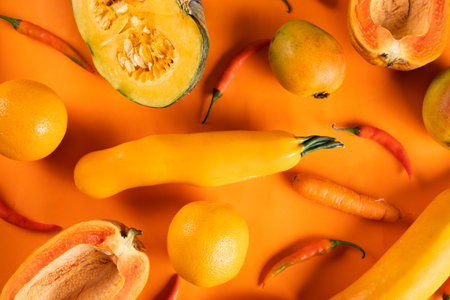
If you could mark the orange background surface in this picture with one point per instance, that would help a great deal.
(277, 217)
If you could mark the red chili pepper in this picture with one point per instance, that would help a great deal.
(231, 70)
(14, 218)
(175, 288)
(315, 248)
(42, 35)
(446, 293)
(385, 139)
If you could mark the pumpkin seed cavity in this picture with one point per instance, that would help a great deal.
(147, 54)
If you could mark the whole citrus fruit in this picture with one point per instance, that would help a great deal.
(33, 120)
(207, 242)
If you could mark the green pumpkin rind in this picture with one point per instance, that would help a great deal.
(194, 9)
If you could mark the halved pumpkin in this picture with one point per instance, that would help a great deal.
(90, 260)
(153, 52)
(400, 34)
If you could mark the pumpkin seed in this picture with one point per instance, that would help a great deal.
(147, 54)
(122, 9)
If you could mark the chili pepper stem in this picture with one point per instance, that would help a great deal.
(216, 95)
(445, 297)
(288, 6)
(315, 248)
(14, 22)
(354, 130)
(315, 142)
(335, 243)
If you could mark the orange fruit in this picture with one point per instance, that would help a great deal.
(207, 242)
(33, 120)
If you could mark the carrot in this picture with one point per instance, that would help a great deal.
(386, 140)
(332, 194)
(16, 219)
(42, 35)
(315, 248)
(228, 75)
(446, 293)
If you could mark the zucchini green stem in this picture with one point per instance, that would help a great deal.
(315, 142)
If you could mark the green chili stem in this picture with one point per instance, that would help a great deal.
(354, 130)
(288, 6)
(14, 22)
(335, 243)
(216, 95)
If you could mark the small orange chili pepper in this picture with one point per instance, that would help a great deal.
(446, 293)
(315, 248)
(15, 218)
(386, 140)
(228, 75)
(175, 288)
(42, 35)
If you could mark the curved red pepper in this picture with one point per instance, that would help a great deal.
(228, 75)
(42, 35)
(175, 288)
(446, 293)
(386, 140)
(15, 218)
(315, 248)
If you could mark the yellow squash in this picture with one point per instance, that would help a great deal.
(202, 159)
(416, 265)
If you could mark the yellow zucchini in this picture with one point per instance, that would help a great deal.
(416, 265)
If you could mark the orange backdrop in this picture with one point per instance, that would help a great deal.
(277, 217)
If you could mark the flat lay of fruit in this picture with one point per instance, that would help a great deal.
(187, 149)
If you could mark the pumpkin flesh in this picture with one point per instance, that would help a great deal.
(153, 52)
